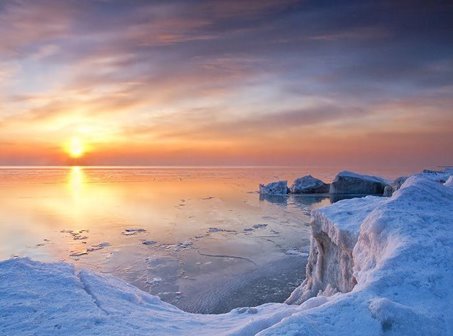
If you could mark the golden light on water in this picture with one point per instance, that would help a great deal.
(76, 181)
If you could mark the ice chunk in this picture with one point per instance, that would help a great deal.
(214, 229)
(133, 231)
(78, 253)
(296, 253)
(335, 230)
(185, 244)
(388, 191)
(309, 185)
(275, 188)
(149, 242)
(99, 246)
(352, 183)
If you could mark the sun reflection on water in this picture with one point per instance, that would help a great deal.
(76, 182)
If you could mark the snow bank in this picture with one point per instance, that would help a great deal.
(392, 257)
(402, 263)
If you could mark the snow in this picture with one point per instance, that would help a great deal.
(342, 220)
(398, 250)
(403, 266)
(347, 173)
(449, 182)
(437, 175)
(335, 231)
(55, 299)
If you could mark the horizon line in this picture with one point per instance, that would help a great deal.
(151, 166)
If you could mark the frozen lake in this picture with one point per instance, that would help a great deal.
(200, 238)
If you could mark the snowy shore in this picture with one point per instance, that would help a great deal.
(376, 266)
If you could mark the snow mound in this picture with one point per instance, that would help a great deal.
(379, 266)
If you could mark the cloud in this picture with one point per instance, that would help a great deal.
(246, 74)
(19, 26)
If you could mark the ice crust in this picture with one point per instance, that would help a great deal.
(377, 266)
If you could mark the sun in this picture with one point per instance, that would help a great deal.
(75, 148)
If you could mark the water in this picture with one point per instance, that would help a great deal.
(200, 238)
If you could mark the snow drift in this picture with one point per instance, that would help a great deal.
(377, 266)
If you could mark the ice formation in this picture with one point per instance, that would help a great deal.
(377, 266)
(335, 230)
(347, 182)
(309, 185)
(274, 188)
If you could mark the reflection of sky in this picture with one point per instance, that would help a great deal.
(226, 82)
(46, 213)
(172, 204)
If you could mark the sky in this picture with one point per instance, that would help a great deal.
(260, 82)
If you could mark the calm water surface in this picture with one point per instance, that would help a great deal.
(200, 238)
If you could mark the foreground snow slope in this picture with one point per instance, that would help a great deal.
(54, 299)
(401, 260)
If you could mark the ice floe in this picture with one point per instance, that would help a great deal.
(149, 242)
(99, 246)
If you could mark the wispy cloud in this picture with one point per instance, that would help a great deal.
(237, 77)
